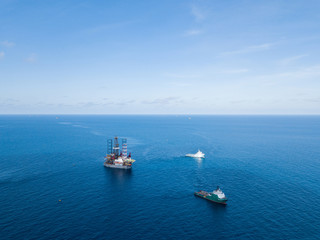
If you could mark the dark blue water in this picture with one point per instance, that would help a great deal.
(268, 166)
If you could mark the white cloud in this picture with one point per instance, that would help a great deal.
(164, 101)
(197, 13)
(290, 60)
(234, 71)
(249, 49)
(302, 73)
(181, 84)
(32, 58)
(193, 32)
(109, 26)
(312, 71)
(7, 43)
(124, 102)
(106, 102)
(174, 75)
(2, 55)
(314, 100)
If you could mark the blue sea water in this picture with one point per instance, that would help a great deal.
(54, 186)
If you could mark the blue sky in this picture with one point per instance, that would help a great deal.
(159, 57)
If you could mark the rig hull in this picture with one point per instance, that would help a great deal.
(116, 166)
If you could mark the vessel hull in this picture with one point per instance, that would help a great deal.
(194, 156)
(116, 166)
(223, 202)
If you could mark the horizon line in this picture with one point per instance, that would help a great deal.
(156, 114)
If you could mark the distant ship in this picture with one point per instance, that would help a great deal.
(216, 196)
(199, 154)
(116, 157)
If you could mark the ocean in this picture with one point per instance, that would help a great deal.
(54, 186)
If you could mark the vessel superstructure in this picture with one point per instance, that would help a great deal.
(117, 157)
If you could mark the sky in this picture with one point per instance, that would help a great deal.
(159, 57)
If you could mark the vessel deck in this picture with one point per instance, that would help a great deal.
(202, 196)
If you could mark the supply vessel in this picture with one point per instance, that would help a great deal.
(216, 196)
(117, 157)
(199, 154)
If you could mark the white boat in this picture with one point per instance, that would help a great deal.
(199, 154)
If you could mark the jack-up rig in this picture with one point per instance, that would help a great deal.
(116, 157)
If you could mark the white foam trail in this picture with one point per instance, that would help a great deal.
(79, 126)
(97, 133)
(64, 123)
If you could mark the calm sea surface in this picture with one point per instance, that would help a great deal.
(268, 166)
